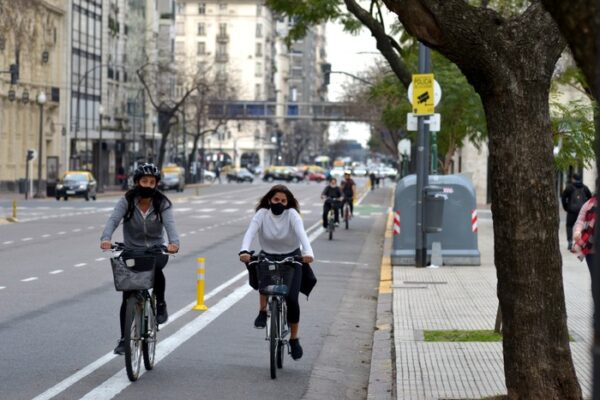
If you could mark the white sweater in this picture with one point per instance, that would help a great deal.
(277, 234)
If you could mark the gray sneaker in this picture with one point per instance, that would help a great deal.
(120, 349)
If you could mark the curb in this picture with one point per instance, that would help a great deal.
(382, 374)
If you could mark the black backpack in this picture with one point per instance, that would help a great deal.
(577, 199)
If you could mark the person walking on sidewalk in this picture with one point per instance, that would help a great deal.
(146, 213)
(573, 198)
(281, 234)
(583, 233)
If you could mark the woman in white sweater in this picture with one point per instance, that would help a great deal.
(280, 233)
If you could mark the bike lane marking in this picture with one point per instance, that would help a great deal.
(119, 381)
(90, 368)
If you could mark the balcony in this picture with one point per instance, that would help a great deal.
(222, 57)
(222, 38)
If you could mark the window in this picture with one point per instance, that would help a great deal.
(222, 29)
(257, 91)
(258, 52)
(259, 10)
(201, 8)
(222, 6)
(180, 8)
(180, 28)
(221, 48)
(201, 48)
(201, 29)
(259, 31)
(258, 71)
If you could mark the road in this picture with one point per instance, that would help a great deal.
(59, 309)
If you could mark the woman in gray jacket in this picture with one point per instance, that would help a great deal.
(145, 213)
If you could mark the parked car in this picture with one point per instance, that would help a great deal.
(359, 170)
(337, 172)
(77, 184)
(316, 176)
(283, 173)
(172, 178)
(240, 175)
(209, 176)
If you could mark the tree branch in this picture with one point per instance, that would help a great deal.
(384, 44)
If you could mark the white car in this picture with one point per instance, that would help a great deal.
(209, 176)
(337, 172)
(359, 170)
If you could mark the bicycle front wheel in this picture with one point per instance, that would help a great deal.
(133, 348)
(151, 329)
(274, 336)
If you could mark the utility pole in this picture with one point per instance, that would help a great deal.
(422, 168)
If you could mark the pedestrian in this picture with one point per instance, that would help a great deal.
(583, 232)
(372, 180)
(217, 173)
(281, 234)
(573, 198)
(145, 213)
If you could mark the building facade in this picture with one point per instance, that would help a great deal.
(37, 45)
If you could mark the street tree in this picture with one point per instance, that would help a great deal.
(509, 58)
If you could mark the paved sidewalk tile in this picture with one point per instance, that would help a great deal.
(465, 298)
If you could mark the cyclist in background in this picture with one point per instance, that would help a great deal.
(281, 234)
(145, 212)
(349, 191)
(331, 194)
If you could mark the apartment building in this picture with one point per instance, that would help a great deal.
(37, 46)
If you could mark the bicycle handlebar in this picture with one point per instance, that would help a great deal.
(156, 249)
(288, 260)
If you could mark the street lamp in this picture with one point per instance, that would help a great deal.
(100, 184)
(41, 100)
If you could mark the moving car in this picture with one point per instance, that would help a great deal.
(173, 177)
(283, 173)
(209, 176)
(240, 175)
(77, 184)
(316, 176)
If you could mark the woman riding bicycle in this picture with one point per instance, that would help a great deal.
(145, 212)
(332, 194)
(280, 233)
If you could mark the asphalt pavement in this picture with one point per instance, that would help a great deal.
(59, 309)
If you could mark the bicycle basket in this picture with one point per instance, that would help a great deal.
(133, 273)
(280, 275)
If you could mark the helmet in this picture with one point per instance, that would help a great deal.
(347, 172)
(146, 169)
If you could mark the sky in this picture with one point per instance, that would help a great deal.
(353, 54)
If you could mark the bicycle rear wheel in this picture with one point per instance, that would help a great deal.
(274, 336)
(151, 329)
(347, 215)
(133, 348)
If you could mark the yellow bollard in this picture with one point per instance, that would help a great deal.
(200, 291)
(14, 204)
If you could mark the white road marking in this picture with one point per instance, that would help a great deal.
(119, 381)
(183, 235)
(76, 230)
(80, 265)
(46, 235)
(206, 209)
(182, 209)
(61, 233)
(27, 239)
(229, 210)
(91, 227)
(100, 259)
(33, 278)
(73, 379)
(220, 202)
(8, 242)
(200, 216)
(307, 212)
(2, 287)
(56, 271)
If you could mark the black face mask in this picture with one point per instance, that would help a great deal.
(277, 208)
(145, 192)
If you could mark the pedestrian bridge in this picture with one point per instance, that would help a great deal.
(260, 110)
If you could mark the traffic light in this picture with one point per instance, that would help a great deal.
(14, 73)
(31, 154)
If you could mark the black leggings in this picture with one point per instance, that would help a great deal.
(160, 285)
(293, 307)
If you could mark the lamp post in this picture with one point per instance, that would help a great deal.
(100, 181)
(41, 100)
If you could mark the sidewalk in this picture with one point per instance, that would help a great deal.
(465, 298)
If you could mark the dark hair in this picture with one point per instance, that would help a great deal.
(264, 202)
(576, 177)
(160, 203)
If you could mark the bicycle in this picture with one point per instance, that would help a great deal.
(331, 216)
(346, 214)
(275, 279)
(136, 276)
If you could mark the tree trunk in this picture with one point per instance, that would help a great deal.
(163, 149)
(537, 355)
(510, 63)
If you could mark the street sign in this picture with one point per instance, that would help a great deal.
(434, 121)
(437, 93)
(422, 96)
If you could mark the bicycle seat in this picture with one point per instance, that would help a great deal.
(275, 290)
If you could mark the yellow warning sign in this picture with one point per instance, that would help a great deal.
(422, 94)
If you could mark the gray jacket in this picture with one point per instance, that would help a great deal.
(140, 232)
